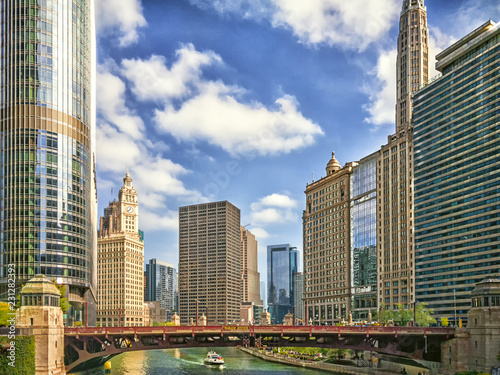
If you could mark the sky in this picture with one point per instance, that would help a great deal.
(245, 100)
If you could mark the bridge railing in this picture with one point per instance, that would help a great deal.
(257, 329)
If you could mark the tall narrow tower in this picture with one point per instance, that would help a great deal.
(121, 262)
(413, 58)
(396, 253)
(48, 206)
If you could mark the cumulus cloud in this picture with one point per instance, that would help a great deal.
(274, 209)
(122, 17)
(260, 234)
(152, 80)
(111, 104)
(349, 24)
(217, 116)
(382, 91)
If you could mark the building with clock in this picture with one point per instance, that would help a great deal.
(120, 262)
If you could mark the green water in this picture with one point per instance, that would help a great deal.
(190, 361)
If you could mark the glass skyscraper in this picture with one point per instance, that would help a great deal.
(161, 283)
(47, 176)
(281, 268)
(364, 238)
(457, 174)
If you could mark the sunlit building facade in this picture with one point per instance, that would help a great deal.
(48, 199)
(457, 174)
(161, 283)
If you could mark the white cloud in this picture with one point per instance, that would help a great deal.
(123, 17)
(382, 92)
(168, 220)
(438, 41)
(260, 234)
(350, 24)
(152, 80)
(217, 115)
(274, 209)
(111, 103)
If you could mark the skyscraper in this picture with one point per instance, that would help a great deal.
(210, 262)
(121, 262)
(161, 283)
(457, 174)
(281, 267)
(327, 250)
(47, 135)
(251, 276)
(394, 170)
(364, 238)
(298, 296)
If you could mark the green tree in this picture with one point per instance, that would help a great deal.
(4, 311)
(424, 315)
(63, 301)
(162, 324)
(336, 354)
(444, 322)
(403, 316)
(386, 314)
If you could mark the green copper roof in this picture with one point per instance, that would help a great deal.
(40, 284)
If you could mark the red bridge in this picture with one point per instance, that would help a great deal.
(92, 346)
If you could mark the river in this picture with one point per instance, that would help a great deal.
(190, 362)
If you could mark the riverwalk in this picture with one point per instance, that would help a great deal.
(316, 365)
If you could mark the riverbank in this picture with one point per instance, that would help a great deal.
(322, 366)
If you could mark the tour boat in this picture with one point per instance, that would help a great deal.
(214, 358)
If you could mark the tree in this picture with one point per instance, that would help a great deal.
(337, 354)
(444, 322)
(386, 314)
(424, 315)
(403, 316)
(162, 324)
(63, 301)
(4, 311)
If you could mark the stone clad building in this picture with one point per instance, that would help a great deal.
(121, 262)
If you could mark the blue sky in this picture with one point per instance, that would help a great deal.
(244, 100)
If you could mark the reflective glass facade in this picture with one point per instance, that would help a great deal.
(281, 268)
(161, 283)
(364, 238)
(457, 174)
(47, 181)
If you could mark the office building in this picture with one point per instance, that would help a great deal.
(161, 283)
(263, 293)
(120, 264)
(47, 135)
(457, 174)
(282, 265)
(251, 276)
(298, 296)
(210, 262)
(327, 245)
(364, 238)
(395, 165)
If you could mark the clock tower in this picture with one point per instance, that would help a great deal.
(129, 206)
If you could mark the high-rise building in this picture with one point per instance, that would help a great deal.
(298, 296)
(395, 166)
(47, 136)
(457, 174)
(251, 276)
(161, 283)
(364, 238)
(281, 267)
(120, 265)
(210, 262)
(327, 245)
(263, 293)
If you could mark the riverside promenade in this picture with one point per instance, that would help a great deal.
(319, 365)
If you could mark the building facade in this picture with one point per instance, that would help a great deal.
(47, 135)
(364, 238)
(161, 283)
(457, 174)
(210, 262)
(298, 297)
(396, 282)
(327, 248)
(251, 275)
(121, 262)
(281, 267)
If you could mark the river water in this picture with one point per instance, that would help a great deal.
(190, 362)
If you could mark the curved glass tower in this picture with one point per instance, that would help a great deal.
(48, 205)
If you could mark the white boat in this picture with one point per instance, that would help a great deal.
(213, 358)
